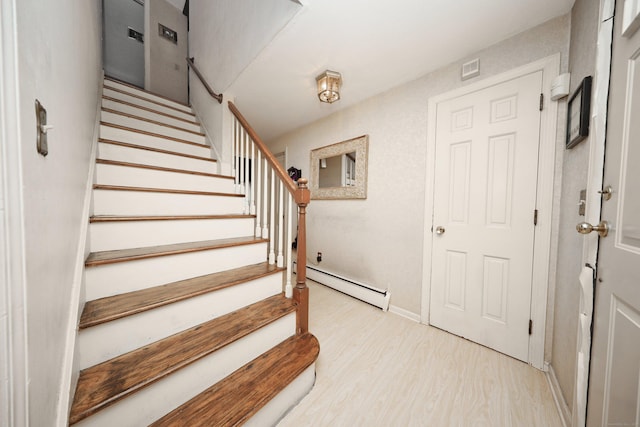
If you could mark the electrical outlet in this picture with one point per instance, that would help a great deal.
(319, 257)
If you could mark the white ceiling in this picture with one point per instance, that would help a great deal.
(376, 45)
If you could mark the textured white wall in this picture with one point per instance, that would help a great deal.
(584, 31)
(224, 37)
(165, 62)
(379, 240)
(60, 64)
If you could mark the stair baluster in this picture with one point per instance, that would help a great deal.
(273, 213)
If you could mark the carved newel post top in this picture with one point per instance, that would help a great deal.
(303, 194)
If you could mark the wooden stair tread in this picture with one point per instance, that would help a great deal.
(103, 384)
(232, 401)
(116, 307)
(151, 110)
(116, 218)
(153, 134)
(163, 190)
(155, 122)
(140, 89)
(159, 168)
(135, 95)
(123, 255)
(157, 150)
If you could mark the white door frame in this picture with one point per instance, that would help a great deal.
(595, 176)
(13, 328)
(550, 67)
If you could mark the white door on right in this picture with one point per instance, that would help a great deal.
(483, 219)
(614, 382)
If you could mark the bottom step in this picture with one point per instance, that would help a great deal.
(242, 394)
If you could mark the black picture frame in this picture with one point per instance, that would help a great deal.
(578, 111)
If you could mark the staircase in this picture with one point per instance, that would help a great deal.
(185, 321)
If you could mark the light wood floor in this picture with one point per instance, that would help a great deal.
(380, 369)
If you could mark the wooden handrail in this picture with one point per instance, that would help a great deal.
(217, 96)
(302, 197)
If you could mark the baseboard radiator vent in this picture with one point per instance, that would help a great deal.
(367, 293)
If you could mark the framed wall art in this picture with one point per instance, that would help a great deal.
(578, 112)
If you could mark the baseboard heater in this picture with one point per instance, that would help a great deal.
(369, 294)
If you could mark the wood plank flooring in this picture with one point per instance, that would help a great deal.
(379, 369)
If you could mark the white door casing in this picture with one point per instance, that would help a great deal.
(597, 132)
(483, 217)
(14, 401)
(545, 170)
(614, 380)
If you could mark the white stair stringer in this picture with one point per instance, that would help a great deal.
(137, 175)
(151, 114)
(110, 83)
(146, 126)
(129, 135)
(113, 235)
(159, 398)
(126, 202)
(120, 153)
(120, 277)
(128, 333)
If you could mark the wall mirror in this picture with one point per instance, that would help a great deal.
(339, 171)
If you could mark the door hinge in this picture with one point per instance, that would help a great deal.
(541, 101)
(535, 217)
(530, 326)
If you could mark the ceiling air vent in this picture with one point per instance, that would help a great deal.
(470, 69)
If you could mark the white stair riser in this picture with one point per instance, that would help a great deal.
(150, 178)
(113, 279)
(116, 202)
(107, 236)
(283, 402)
(147, 95)
(138, 155)
(103, 342)
(147, 104)
(131, 137)
(152, 115)
(145, 126)
(159, 398)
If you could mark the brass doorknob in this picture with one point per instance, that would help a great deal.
(439, 230)
(585, 228)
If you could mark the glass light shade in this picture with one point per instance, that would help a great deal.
(329, 84)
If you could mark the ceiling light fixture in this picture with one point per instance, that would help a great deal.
(329, 84)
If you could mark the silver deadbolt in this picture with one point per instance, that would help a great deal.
(602, 228)
(606, 192)
(439, 230)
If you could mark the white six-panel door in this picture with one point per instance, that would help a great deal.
(614, 379)
(483, 219)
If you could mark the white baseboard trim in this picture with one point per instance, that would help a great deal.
(362, 291)
(70, 368)
(404, 313)
(558, 398)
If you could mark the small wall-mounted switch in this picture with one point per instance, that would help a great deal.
(319, 257)
(582, 203)
(41, 129)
